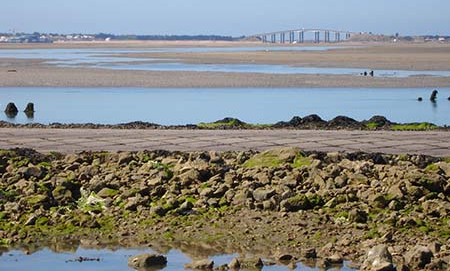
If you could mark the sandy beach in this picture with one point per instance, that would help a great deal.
(433, 56)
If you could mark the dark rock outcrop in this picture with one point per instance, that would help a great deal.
(145, 261)
(29, 108)
(11, 110)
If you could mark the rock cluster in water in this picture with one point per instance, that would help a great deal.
(378, 210)
(308, 122)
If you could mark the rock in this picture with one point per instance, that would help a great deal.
(313, 119)
(435, 247)
(283, 257)
(309, 253)
(438, 264)
(293, 204)
(11, 109)
(143, 261)
(445, 167)
(378, 259)
(31, 220)
(251, 263)
(380, 121)
(234, 264)
(420, 99)
(158, 210)
(335, 259)
(125, 158)
(223, 267)
(418, 257)
(357, 216)
(344, 122)
(32, 171)
(186, 206)
(261, 194)
(29, 108)
(295, 121)
(200, 265)
(378, 201)
(107, 193)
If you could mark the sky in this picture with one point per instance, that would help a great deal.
(227, 17)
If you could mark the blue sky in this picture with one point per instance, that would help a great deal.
(230, 17)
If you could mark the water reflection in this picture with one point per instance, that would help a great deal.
(65, 257)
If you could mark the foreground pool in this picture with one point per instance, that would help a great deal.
(108, 260)
(184, 106)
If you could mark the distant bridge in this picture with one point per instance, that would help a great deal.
(298, 35)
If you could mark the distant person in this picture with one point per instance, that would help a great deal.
(371, 73)
(433, 96)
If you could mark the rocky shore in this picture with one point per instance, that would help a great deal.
(305, 123)
(382, 212)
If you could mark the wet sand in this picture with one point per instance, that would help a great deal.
(376, 56)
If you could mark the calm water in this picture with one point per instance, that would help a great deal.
(261, 68)
(108, 59)
(117, 260)
(99, 55)
(188, 106)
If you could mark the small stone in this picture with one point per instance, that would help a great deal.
(420, 99)
(144, 261)
(200, 265)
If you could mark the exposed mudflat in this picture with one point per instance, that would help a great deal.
(426, 57)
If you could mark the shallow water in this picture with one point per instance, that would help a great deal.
(185, 106)
(98, 55)
(109, 59)
(45, 260)
(267, 69)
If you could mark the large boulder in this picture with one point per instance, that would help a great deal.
(145, 261)
(378, 259)
(418, 257)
